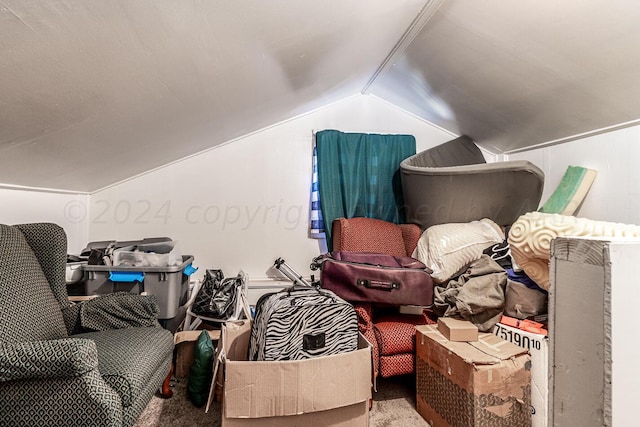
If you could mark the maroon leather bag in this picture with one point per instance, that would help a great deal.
(377, 278)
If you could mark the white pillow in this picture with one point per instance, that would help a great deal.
(448, 248)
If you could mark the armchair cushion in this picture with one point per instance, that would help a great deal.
(47, 359)
(397, 364)
(30, 311)
(117, 311)
(396, 333)
(128, 357)
(72, 401)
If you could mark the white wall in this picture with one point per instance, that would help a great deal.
(243, 204)
(67, 210)
(246, 203)
(615, 194)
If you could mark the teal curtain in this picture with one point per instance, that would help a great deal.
(359, 175)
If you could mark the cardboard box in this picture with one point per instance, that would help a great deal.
(538, 346)
(331, 390)
(464, 384)
(457, 329)
(185, 343)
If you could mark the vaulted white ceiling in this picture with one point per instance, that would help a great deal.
(93, 92)
(513, 74)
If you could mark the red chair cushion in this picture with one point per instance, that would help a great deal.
(396, 334)
(398, 364)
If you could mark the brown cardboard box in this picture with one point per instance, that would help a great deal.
(463, 384)
(331, 390)
(457, 329)
(185, 343)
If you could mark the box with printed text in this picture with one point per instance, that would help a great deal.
(538, 346)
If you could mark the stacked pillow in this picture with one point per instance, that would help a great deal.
(447, 249)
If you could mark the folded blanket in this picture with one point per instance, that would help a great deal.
(119, 310)
(477, 295)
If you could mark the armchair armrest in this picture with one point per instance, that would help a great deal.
(68, 357)
(365, 316)
(118, 311)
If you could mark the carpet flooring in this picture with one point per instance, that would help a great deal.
(393, 406)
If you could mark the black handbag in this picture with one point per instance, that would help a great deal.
(213, 300)
(221, 299)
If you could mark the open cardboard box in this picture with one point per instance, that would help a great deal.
(330, 390)
(185, 342)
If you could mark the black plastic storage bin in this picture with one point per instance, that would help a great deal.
(169, 284)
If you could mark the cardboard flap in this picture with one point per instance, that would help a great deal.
(186, 336)
(497, 347)
(236, 336)
(488, 350)
(254, 389)
(466, 352)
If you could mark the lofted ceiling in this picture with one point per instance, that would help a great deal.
(94, 92)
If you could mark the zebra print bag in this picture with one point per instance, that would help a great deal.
(301, 323)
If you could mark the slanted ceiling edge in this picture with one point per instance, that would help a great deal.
(40, 189)
(222, 144)
(575, 137)
(416, 117)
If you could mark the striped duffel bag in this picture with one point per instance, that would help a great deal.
(301, 323)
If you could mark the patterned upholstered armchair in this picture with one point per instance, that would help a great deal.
(97, 363)
(391, 334)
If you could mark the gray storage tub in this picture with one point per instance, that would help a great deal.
(452, 183)
(169, 284)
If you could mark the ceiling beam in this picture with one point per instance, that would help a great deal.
(425, 14)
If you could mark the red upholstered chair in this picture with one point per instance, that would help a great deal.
(391, 334)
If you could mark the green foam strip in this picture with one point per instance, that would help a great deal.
(571, 191)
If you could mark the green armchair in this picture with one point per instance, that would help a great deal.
(96, 363)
